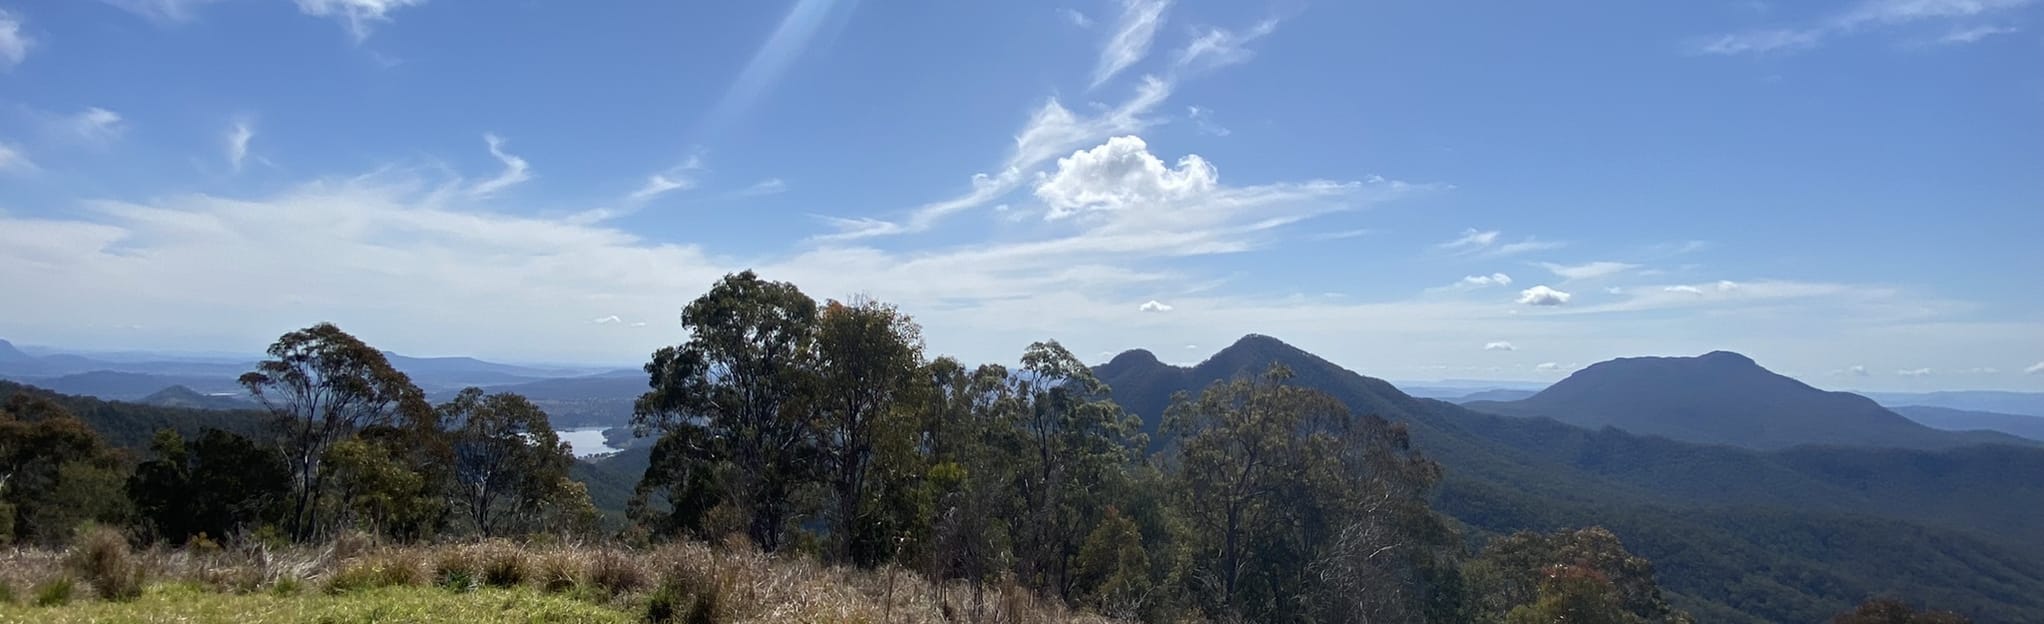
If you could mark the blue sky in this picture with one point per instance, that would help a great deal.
(1848, 191)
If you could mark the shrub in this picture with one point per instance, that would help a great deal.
(504, 566)
(676, 601)
(6, 593)
(55, 592)
(457, 568)
(559, 572)
(101, 555)
(616, 574)
(390, 568)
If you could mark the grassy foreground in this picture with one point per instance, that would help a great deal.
(183, 602)
(100, 579)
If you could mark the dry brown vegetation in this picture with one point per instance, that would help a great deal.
(681, 582)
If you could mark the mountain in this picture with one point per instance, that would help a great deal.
(9, 354)
(2021, 403)
(1737, 535)
(2031, 427)
(125, 386)
(133, 425)
(1724, 398)
(1501, 394)
(180, 396)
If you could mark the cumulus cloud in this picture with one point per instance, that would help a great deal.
(1683, 288)
(515, 169)
(1855, 370)
(2035, 369)
(1587, 271)
(359, 16)
(1914, 372)
(14, 44)
(1548, 367)
(1120, 174)
(1154, 305)
(1499, 346)
(1543, 296)
(1130, 42)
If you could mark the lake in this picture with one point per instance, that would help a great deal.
(586, 441)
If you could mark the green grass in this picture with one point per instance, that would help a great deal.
(187, 603)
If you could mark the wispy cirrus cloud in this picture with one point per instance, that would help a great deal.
(1219, 47)
(1588, 270)
(1130, 42)
(239, 133)
(1865, 16)
(14, 44)
(12, 160)
(516, 170)
(358, 16)
(162, 11)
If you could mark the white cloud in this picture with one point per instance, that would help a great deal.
(1218, 47)
(238, 136)
(1683, 288)
(1548, 367)
(162, 11)
(1131, 39)
(1122, 174)
(1914, 372)
(14, 44)
(1499, 346)
(1588, 271)
(94, 125)
(1975, 34)
(1203, 119)
(1480, 281)
(515, 169)
(1867, 15)
(1855, 370)
(608, 320)
(1543, 296)
(359, 16)
(13, 161)
(1075, 17)
(1051, 132)
(769, 186)
(1154, 305)
(1484, 243)
(1342, 234)
(1472, 239)
(2035, 369)
(1982, 370)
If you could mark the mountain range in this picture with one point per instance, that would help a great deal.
(1738, 535)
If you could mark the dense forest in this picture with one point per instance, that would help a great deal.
(826, 432)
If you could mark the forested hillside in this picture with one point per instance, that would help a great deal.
(1747, 535)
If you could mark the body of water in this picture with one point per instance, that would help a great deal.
(586, 441)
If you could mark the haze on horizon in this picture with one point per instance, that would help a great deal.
(1845, 191)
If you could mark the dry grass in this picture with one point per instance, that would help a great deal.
(683, 582)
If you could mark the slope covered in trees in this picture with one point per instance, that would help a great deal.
(1724, 398)
(1740, 535)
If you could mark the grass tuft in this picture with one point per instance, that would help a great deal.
(55, 592)
(101, 555)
